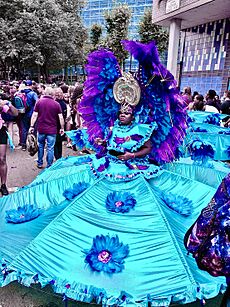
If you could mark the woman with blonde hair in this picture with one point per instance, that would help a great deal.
(187, 95)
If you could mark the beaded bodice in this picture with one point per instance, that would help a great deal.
(130, 137)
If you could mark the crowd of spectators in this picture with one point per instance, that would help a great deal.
(63, 101)
(209, 102)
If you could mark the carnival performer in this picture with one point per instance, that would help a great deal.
(109, 226)
(126, 118)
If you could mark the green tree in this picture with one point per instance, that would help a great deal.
(117, 23)
(74, 34)
(3, 47)
(95, 35)
(8, 8)
(71, 6)
(8, 42)
(41, 33)
(149, 31)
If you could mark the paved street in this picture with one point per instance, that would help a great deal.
(22, 167)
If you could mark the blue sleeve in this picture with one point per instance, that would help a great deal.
(35, 96)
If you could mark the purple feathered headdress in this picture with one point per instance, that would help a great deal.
(160, 101)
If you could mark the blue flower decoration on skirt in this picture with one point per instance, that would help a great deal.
(107, 254)
(201, 151)
(213, 119)
(76, 190)
(180, 204)
(120, 202)
(22, 214)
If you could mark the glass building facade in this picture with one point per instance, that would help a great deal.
(94, 11)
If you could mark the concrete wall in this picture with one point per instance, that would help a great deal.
(165, 10)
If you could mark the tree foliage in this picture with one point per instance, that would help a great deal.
(117, 23)
(95, 35)
(41, 33)
(71, 6)
(149, 31)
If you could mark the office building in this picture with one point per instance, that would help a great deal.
(199, 45)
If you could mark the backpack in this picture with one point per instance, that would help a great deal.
(32, 144)
(21, 102)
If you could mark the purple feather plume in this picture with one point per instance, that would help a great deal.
(98, 107)
(161, 98)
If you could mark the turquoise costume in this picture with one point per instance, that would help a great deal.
(133, 220)
(207, 127)
(125, 138)
(98, 229)
(130, 138)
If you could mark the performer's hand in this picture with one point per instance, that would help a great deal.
(126, 156)
(61, 131)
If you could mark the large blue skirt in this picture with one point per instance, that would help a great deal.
(112, 238)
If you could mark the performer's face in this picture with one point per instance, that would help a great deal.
(125, 118)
